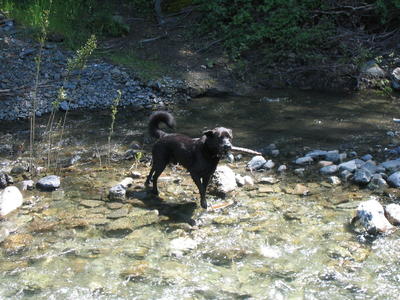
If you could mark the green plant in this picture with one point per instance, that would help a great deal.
(114, 110)
(44, 23)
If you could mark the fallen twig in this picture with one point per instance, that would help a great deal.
(245, 150)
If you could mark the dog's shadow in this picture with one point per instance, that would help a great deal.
(176, 212)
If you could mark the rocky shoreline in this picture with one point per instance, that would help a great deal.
(94, 87)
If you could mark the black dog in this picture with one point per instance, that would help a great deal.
(200, 156)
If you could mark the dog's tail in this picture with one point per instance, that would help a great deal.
(160, 117)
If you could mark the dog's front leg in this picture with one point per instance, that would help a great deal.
(202, 190)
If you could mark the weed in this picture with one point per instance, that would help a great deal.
(114, 110)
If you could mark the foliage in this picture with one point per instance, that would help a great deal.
(280, 23)
(75, 20)
(287, 25)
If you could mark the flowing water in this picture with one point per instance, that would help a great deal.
(261, 242)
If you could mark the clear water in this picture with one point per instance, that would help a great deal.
(258, 245)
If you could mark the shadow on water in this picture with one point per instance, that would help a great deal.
(176, 212)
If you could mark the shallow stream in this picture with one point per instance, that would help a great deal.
(261, 242)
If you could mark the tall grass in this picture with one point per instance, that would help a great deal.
(44, 23)
(114, 110)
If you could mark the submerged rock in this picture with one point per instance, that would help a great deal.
(372, 217)
(10, 199)
(392, 213)
(49, 183)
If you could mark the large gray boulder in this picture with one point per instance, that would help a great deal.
(10, 199)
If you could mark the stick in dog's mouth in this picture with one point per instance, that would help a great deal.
(244, 150)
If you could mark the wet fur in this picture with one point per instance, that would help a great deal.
(200, 156)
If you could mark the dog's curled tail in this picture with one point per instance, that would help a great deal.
(160, 117)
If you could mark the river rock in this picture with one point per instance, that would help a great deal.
(117, 193)
(377, 183)
(248, 180)
(239, 180)
(366, 157)
(372, 70)
(305, 160)
(335, 157)
(48, 183)
(182, 245)
(223, 181)
(396, 79)
(282, 168)
(372, 217)
(256, 163)
(10, 199)
(5, 180)
(351, 165)
(317, 154)
(346, 175)
(4, 233)
(362, 176)
(26, 185)
(394, 179)
(334, 180)
(391, 165)
(328, 170)
(392, 213)
(268, 180)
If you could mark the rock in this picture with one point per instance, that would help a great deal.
(351, 165)
(334, 180)
(91, 203)
(256, 163)
(10, 199)
(117, 193)
(5, 180)
(248, 180)
(377, 183)
(372, 70)
(17, 243)
(269, 165)
(391, 165)
(394, 179)
(371, 167)
(366, 157)
(282, 168)
(396, 79)
(299, 189)
(4, 233)
(26, 185)
(230, 157)
(135, 174)
(48, 183)
(305, 160)
(372, 217)
(299, 171)
(362, 176)
(328, 170)
(268, 180)
(392, 213)
(127, 182)
(223, 181)
(239, 180)
(317, 154)
(346, 175)
(182, 245)
(324, 163)
(335, 157)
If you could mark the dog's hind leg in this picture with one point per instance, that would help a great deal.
(157, 172)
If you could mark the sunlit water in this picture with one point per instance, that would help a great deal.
(261, 245)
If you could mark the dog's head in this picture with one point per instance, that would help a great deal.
(219, 140)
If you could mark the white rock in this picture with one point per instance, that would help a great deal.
(392, 212)
(240, 180)
(182, 245)
(224, 180)
(248, 180)
(10, 199)
(371, 215)
(127, 182)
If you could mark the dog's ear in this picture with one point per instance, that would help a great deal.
(208, 133)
